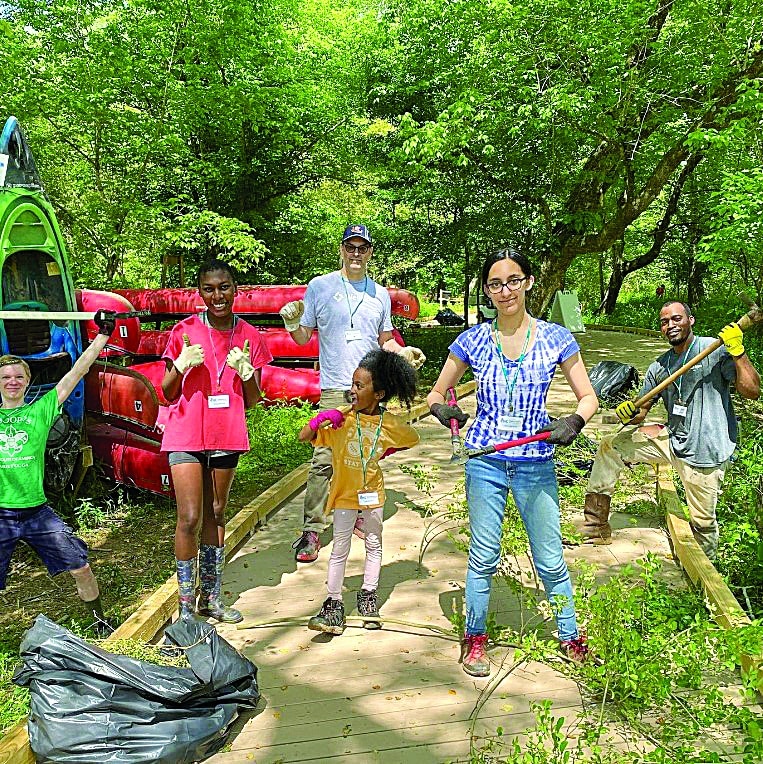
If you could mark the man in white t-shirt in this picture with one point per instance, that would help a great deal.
(353, 314)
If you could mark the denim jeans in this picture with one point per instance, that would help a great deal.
(534, 488)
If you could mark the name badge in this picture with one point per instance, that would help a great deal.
(352, 334)
(510, 423)
(679, 409)
(368, 498)
(218, 401)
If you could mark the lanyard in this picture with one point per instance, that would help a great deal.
(219, 371)
(365, 462)
(349, 304)
(681, 362)
(519, 361)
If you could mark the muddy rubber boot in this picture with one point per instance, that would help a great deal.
(211, 566)
(186, 575)
(596, 512)
(95, 611)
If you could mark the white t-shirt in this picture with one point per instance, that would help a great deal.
(349, 317)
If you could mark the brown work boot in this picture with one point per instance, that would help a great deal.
(474, 659)
(596, 512)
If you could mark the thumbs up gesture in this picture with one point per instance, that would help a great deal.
(190, 355)
(238, 360)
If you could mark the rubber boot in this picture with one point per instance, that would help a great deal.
(596, 513)
(212, 563)
(186, 573)
(95, 611)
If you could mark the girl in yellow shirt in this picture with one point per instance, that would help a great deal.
(360, 436)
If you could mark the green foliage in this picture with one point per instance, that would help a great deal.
(434, 341)
(740, 515)
(273, 438)
(14, 701)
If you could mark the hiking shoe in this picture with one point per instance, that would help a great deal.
(368, 606)
(358, 529)
(474, 660)
(306, 547)
(330, 619)
(576, 649)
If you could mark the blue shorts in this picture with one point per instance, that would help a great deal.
(46, 533)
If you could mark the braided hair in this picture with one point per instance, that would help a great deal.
(392, 373)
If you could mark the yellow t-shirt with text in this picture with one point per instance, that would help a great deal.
(345, 446)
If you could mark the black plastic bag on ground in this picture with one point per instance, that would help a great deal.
(448, 317)
(612, 381)
(91, 706)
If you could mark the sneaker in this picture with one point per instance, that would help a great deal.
(330, 619)
(358, 529)
(576, 649)
(368, 606)
(307, 547)
(474, 658)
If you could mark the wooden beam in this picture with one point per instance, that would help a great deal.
(158, 609)
(721, 603)
(46, 315)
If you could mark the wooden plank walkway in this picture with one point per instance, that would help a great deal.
(396, 695)
(392, 695)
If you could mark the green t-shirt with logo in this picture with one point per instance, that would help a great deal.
(23, 434)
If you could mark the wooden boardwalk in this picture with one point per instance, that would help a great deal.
(399, 694)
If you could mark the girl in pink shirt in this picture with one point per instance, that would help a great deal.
(213, 374)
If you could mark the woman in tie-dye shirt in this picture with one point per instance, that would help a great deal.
(514, 359)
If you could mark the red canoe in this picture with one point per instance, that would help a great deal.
(127, 332)
(278, 341)
(260, 300)
(129, 458)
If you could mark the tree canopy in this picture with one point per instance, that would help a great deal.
(599, 137)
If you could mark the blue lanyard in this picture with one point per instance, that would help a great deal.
(365, 462)
(519, 361)
(681, 362)
(349, 304)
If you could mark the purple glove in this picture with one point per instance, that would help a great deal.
(335, 416)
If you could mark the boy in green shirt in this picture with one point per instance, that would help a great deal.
(24, 511)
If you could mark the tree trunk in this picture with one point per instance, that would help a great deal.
(615, 280)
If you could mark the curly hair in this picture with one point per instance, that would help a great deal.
(392, 373)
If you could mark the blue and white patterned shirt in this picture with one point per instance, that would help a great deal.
(553, 344)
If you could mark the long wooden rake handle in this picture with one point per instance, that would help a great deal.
(753, 316)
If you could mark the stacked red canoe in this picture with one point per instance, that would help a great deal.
(125, 403)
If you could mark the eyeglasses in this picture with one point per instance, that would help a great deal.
(361, 250)
(496, 287)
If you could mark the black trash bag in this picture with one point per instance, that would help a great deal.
(90, 706)
(447, 317)
(612, 381)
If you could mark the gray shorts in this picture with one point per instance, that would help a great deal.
(221, 460)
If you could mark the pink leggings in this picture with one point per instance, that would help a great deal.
(344, 522)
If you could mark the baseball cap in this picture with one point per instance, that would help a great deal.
(356, 230)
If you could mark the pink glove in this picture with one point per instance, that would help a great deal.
(335, 416)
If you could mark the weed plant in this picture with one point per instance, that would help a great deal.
(654, 683)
